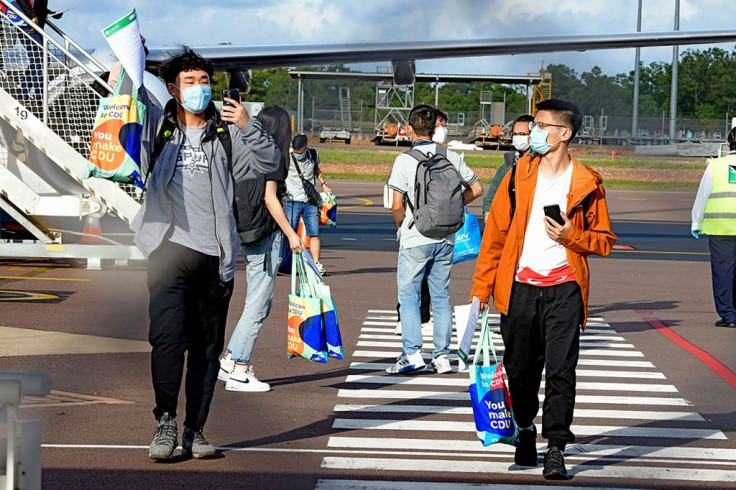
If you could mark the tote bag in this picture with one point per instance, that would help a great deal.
(467, 240)
(305, 333)
(492, 411)
(115, 148)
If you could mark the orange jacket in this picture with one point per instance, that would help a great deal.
(503, 239)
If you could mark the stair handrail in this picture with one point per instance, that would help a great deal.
(68, 41)
(61, 48)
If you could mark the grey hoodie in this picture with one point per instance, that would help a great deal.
(253, 151)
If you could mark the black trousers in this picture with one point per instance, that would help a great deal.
(723, 272)
(426, 301)
(188, 311)
(542, 331)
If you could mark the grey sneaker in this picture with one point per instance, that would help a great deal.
(164, 438)
(194, 445)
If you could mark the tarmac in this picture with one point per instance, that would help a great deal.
(652, 299)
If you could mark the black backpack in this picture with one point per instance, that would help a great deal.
(438, 206)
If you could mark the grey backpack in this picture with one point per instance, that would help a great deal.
(438, 204)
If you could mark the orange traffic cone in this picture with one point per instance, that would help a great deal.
(92, 231)
(301, 230)
(92, 234)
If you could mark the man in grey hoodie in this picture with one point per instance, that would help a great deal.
(186, 228)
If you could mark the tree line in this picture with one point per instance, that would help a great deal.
(707, 89)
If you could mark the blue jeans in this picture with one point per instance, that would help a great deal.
(261, 263)
(294, 209)
(433, 261)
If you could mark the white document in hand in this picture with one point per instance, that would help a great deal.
(471, 325)
(124, 37)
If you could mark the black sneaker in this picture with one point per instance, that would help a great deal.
(724, 323)
(194, 445)
(526, 450)
(554, 465)
(164, 438)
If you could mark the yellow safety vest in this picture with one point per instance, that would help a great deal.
(719, 217)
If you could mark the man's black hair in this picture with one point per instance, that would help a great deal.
(422, 119)
(299, 142)
(186, 60)
(439, 113)
(567, 113)
(523, 118)
(731, 139)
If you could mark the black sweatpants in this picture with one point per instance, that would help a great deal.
(188, 311)
(542, 330)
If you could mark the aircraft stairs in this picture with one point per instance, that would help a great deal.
(44, 143)
(346, 116)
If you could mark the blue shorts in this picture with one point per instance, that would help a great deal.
(309, 212)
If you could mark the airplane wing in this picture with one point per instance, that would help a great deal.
(241, 57)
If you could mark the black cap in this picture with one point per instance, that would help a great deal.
(299, 142)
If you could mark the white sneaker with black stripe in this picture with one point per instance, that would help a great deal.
(226, 367)
(407, 363)
(242, 378)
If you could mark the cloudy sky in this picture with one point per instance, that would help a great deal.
(247, 22)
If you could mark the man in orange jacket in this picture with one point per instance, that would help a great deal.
(537, 271)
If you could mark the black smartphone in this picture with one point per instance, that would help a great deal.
(553, 211)
(230, 93)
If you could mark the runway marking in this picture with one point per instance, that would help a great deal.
(440, 381)
(468, 410)
(67, 279)
(381, 366)
(579, 430)
(66, 399)
(8, 295)
(714, 364)
(464, 396)
(438, 407)
(393, 336)
(363, 204)
(596, 345)
(425, 466)
(337, 484)
(583, 352)
(30, 342)
(600, 450)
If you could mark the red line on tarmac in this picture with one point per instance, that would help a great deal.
(714, 364)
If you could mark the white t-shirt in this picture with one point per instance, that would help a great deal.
(542, 254)
(402, 179)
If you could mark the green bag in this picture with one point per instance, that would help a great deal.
(115, 147)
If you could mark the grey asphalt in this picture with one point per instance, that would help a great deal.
(98, 425)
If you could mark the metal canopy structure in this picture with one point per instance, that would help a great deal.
(530, 80)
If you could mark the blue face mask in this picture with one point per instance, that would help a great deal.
(196, 98)
(538, 141)
(300, 156)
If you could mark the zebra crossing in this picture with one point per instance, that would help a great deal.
(631, 424)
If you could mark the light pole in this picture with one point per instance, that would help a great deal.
(635, 112)
(675, 66)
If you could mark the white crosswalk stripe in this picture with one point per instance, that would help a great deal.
(629, 421)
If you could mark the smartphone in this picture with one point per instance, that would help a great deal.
(553, 211)
(230, 93)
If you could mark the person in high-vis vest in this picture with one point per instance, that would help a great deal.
(714, 214)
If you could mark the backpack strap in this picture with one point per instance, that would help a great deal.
(512, 191)
(164, 134)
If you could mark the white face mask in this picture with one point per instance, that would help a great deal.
(520, 142)
(440, 135)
